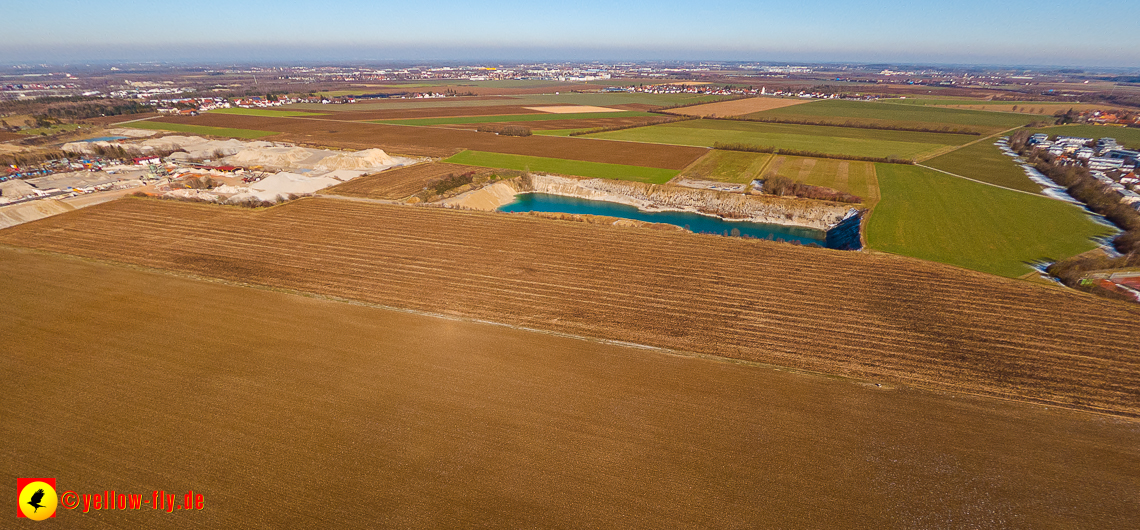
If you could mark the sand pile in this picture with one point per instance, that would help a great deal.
(367, 159)
(283, 184)
(15, 189)
(270, 156)
(200, 147)
(132, 133)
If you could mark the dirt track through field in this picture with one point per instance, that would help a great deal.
(291, 412)
(872, 316)
(434, 141)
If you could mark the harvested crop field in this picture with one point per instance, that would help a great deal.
(435, 423)
(872, 316)
(856, 178)
(428, 141)
(398, 183)
(737, 107)
(737, 167)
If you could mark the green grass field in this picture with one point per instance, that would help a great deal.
(264, 112)
(984, 161)
(512, 118)
(831, 140)
(895, 114)
(564, 167)
(856, 178)
(932, 216)
(1127, 137)
(951, 101)
(201, 129)
(729, 166)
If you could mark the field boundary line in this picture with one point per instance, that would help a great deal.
(918, 161)
(982, 182)
(140, 119)
(691, 166)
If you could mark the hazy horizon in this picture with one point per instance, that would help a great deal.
(919, 32)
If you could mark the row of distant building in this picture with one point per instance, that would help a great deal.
(1108, 162)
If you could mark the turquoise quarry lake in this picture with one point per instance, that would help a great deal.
(704, 224)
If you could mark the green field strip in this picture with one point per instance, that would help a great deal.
(821, 139)
(900, 114)
(564, 167)
(985, 162)
(929, 215)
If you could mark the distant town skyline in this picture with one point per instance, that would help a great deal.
(922, 31)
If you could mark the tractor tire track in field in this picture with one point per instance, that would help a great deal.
(877, 317)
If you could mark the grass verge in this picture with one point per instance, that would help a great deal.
(201, 129)
(564, 167)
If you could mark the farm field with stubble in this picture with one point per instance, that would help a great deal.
(430, 422)
(872, 316)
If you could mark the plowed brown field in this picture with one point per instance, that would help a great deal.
(400, 182)
(433, 141)
(289, 411)
(880, 317)
(737, 107)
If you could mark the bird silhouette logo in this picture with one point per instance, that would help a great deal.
(37, 498)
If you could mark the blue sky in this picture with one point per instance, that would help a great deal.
(962, 31)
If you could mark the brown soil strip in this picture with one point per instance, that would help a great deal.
(775, 165)
(871, 316)
(806, 166)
